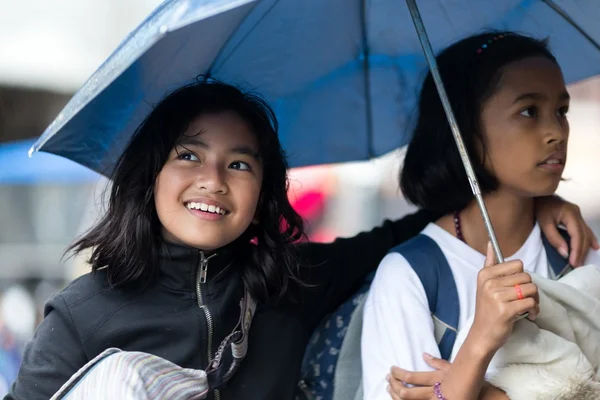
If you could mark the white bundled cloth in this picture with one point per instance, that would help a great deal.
(556, 357)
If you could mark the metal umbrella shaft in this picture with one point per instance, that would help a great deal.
(431, 61)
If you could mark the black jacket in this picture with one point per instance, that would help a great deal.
(165, 319)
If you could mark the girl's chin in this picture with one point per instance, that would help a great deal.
(208, 248)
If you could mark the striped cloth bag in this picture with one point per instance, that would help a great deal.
(133, 376)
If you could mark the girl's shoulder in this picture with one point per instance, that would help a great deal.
(89, 302)
(92, 295)
(395, 273)
(85, 287)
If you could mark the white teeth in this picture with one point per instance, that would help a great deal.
(553, 162)
(206, 207)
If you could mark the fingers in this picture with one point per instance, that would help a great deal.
(551, 211)
(580, 247)
(490, 258)
(394, 387)
(399, 391)
(436, 363)
(573, 221)
(555, 238)
(520, 278)
(510, 293)
(532, 314)
(399, 379)
(527, 305)
(578, 242)
(498, 270)
(416, 378)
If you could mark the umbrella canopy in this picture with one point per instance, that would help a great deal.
(342, 75)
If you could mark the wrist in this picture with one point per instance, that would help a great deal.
(478, 350)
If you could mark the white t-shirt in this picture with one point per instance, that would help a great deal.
(397, 326)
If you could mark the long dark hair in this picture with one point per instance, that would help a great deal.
(127, 240)
(433, 176)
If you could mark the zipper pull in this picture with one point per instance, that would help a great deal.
(203, 267)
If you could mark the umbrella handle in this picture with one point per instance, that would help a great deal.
(431, 61)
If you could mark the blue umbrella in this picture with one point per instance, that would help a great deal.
(342, 75)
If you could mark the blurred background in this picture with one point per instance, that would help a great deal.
(48, 49)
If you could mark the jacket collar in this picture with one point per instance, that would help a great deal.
(180, 266)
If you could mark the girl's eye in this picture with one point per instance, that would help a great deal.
(563, 111)
(240, 165)
(186, 155)
(530, 112)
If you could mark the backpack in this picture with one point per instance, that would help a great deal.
(331, 369)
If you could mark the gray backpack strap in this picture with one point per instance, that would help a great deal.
(428, 261)
(348, 371)
(218, 374)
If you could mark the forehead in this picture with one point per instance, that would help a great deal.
(223, 129)
(532, 75)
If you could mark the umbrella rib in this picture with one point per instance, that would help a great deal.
(367, 78)
(212, 65)
(574, 24)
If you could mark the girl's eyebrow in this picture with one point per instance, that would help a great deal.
(539, 97)
(243, 150)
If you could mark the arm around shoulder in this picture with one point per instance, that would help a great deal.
(339, 268)
(51, 357)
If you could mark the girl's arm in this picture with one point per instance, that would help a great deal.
(498, 306)
(423, 382)
(397, 326)
(336, 270)
(51, 357)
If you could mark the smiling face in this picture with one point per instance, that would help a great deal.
(525, 127)
(207, 193)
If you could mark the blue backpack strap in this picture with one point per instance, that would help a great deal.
(559, 265)
(428, 261)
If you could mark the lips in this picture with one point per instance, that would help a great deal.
(555, 159)
(207, 205)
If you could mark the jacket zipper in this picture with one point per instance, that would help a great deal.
(201, 279)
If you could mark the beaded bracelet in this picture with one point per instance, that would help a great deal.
(437, 390)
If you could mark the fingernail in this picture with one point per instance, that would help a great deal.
(389, 389)
(427, 356)
(563, 251)
(388, 377)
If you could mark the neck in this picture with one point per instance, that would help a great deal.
(512, 218)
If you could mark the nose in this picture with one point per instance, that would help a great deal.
(212, 179)
(556, 130)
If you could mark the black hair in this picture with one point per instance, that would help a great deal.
(127, 240)
(433, 176)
